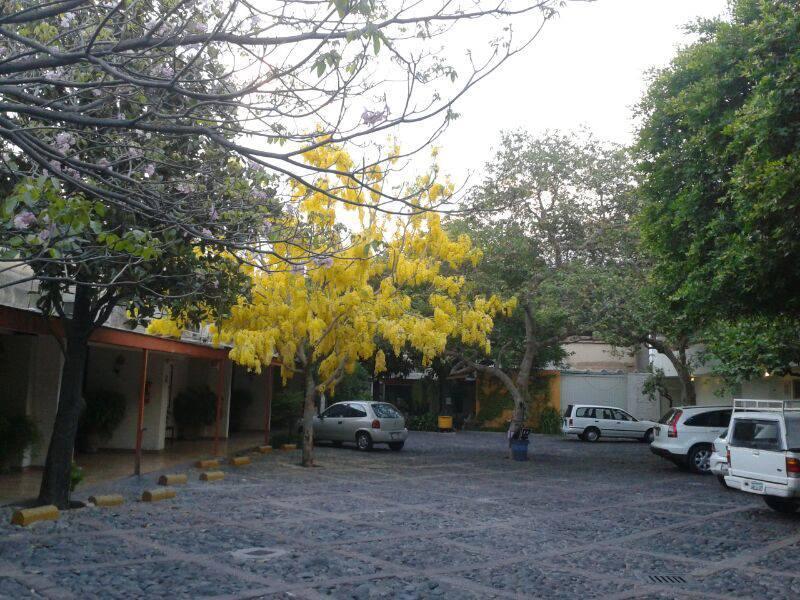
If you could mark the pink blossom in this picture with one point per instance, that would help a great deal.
(104, 163)
(150, 169)
(213, 214)
(24, 219)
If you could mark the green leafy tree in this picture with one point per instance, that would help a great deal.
(550, 206)
(720, 143)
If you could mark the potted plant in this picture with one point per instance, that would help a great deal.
(102, 414)
(17, 434)
(194, 409)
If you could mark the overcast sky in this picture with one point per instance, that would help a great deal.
(587, 68)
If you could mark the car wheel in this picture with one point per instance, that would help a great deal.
(699, 458)
(722, 482)
(581, 438)
(363, 441)
(782, 505)
(591, 434)
(396, 446)
(649, 436)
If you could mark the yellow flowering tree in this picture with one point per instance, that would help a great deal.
(392, 280)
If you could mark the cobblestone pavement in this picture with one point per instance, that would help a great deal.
(448, 517)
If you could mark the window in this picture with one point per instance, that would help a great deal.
(335, 412)
(792, 431)
(586, 413)
(758, 434)
(568, 412)
(354, 411)
(385, 411)
(667, 416)
(608, 414)
(622, 416)
(712, 418)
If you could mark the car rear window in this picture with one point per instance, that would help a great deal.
(758, 434)
(712, 418)
(385, 411)
(667, 416)
(793, 431)
(568, 412)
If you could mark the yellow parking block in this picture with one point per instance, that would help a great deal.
(239, 461)
(26, 516)
(207, 464)
(158, 494)
(106, 501)
(173, 479)
(212, 476)
(289, 447)
(265, 449)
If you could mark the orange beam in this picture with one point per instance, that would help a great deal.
(137, 469)
(26, 321)
(220, 380)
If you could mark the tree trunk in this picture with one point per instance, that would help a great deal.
(309, 411)
(55, 486)
(680, 362)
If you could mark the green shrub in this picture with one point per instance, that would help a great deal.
(549, 421)
(240, 400)
(426, 422)
(195, 408)
(287, 407)
(289, 436)
(75, 476)
(103, 413)
(17, 434)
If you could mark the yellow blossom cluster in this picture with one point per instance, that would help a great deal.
(394, 281)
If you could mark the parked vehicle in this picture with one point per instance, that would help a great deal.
(591, 422)
(718, 463)
(764, 451)
(363, 422)
(685, 435)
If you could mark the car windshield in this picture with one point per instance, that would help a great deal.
(793, 431)
(385, 411)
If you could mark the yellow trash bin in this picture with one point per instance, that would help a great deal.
(445, 423)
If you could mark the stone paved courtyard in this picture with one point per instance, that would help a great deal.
(448, 517)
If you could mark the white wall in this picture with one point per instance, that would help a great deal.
(596, 356)
(44, 384)
(106, 372)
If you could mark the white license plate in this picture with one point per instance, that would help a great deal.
(756, 486)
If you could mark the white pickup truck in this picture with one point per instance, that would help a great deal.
(764, 451)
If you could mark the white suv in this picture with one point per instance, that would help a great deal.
(590, 423)
(685, 435)
(764, 451)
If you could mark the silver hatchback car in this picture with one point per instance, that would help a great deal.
(363, 422)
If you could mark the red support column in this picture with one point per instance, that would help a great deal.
(220, 383)
(268, 405)
(137, 469)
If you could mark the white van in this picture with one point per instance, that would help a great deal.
(591, 422)
(764, 451)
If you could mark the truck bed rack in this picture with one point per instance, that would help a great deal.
(766, 405)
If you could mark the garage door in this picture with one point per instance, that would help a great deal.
(606, 390)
